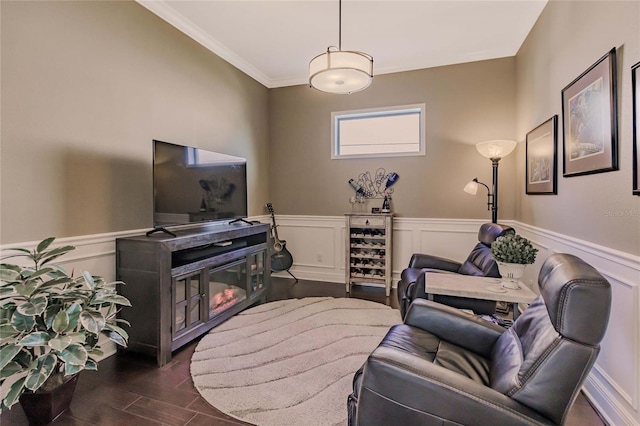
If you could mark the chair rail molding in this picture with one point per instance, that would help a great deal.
(93, 253)
(613, 386)
(317, 246)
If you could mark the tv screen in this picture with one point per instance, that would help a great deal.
(195, 185)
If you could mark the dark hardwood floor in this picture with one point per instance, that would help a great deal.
(129, 389)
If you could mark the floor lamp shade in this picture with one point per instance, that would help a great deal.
(341, 71)
(493, 150)
(471, 187)
(496, 148)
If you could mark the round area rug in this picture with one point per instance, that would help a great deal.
(289, 362)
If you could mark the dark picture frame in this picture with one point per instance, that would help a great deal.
(590, 120)
(541, 159)
(635, 85)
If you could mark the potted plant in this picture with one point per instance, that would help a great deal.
(50, 323)
(513, 253)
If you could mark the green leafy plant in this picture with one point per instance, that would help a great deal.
(513, 248)
(50, 321)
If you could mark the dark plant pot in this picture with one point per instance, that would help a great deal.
(43, 408)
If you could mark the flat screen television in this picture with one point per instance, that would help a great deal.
(195, 185)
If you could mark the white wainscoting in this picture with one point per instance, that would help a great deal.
(93, 253)
(318, 248)
(317, 244)
(613, 385)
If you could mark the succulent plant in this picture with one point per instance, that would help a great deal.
(513, 248)
(50, 322)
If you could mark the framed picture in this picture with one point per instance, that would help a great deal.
(635, 85)
(542, 163)
(590, 120)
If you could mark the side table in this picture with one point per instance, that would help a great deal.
(476, 288)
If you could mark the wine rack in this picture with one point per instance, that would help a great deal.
(368, 249)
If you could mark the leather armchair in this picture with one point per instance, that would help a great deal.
(445, 367)
(479, 262)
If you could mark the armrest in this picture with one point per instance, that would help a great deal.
(454, 326)
(400, 388)
(434, 262)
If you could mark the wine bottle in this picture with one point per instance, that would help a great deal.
(356, 187)
(386, 205)
(391, 179)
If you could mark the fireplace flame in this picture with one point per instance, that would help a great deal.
(225, 299)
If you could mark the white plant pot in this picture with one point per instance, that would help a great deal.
(511, 274)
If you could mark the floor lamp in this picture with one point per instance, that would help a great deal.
(494, 151)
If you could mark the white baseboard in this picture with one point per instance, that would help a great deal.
(317, 244)
(613, 386)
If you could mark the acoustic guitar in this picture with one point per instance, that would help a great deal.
(281, 259)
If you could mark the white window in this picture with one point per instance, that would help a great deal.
(379, 132)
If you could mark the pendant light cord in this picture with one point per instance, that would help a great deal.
(348, 71)
(339, 25)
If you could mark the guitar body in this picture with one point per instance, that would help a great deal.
(281, 259)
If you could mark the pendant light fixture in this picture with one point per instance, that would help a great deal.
(340, 71)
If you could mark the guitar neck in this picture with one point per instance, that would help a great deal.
(274, 227)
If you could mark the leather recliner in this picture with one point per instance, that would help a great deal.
(479, 263)
(446, 367)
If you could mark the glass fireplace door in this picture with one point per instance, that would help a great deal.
(227, 286)
(257, 268)
(188, 294)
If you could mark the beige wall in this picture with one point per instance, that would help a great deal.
(465, 104)
(567, 39)
(86, 86)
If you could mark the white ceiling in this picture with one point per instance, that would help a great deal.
(273, 41)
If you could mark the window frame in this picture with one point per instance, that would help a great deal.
(383, 112)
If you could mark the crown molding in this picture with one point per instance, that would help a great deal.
(165, 11)
(170, 15)
(407, 67)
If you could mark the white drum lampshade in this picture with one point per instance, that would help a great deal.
(341, 71)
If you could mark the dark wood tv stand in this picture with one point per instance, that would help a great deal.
(180, 287)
